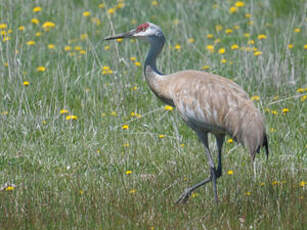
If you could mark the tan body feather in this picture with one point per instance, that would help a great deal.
(212, 104)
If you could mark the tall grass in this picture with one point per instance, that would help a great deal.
(124, 160)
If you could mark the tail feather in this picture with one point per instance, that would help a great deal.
(266, 145)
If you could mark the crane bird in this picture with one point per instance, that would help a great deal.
(207, 103)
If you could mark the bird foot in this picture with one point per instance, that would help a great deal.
(184, 196)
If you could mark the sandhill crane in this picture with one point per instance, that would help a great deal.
(208, 103)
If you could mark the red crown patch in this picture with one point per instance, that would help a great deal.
(142, 27)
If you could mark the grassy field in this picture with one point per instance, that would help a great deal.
(84, 143)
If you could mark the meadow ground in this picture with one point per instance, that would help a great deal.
(84, 143)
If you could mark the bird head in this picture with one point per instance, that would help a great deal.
(146, 31)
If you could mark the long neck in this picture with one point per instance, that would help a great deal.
(156, 80)
(155, 49)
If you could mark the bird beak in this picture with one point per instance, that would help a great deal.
(129, 34)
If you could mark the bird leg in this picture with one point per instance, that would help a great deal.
(219, 142)
(214, 174)
(188, 191)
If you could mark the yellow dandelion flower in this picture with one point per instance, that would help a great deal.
(194, 194)
(111, 11)
(96, 21)
(134, 88)
(304, 98)
(177, 47)
(300, 90)
(191, 40)
(119, 39)
(48, 25)
(230, 140)
(126, 145)
(236, 27)
(106, 47)
(137, 63)
(37, 9)
(125, 127)
(26, 83)
(71, 117)
(262, 184)
(218, 28)
(257, 53)
(35, 21)
(228, 31)
(63, 111)
(132, 191)
(233, 9)
(251, 42)
(128, 172)
(261, 36)
(30, 43)
(210, 48)
(37, 34)
(86, 13)
(248, 15)
(78, 48)
(303, 183)
(223, 61)
(51, 46)
(275, 182)
(247, 193)
(205, 67)
(274, 112)
(83, 36)
(82, 52)
(9, 188)
(21, 28)
(114, 114)
(290, 46)
(239, 4)
(285, 110)
(221, 51)
(297, 30)
(176, 21)
(168, 108)
(272, 130)
(305, 47)
(120, 5)
(3, 26)
(101, 5)
(247, 35)
(154, 3)
(67, 48)
(132, 58)
(210, 36)
(181, 145)
(230, 172)
(234, 47)
(41, 69)
(4, 113)
(81, 192)
(161, 136)
(255, 98)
